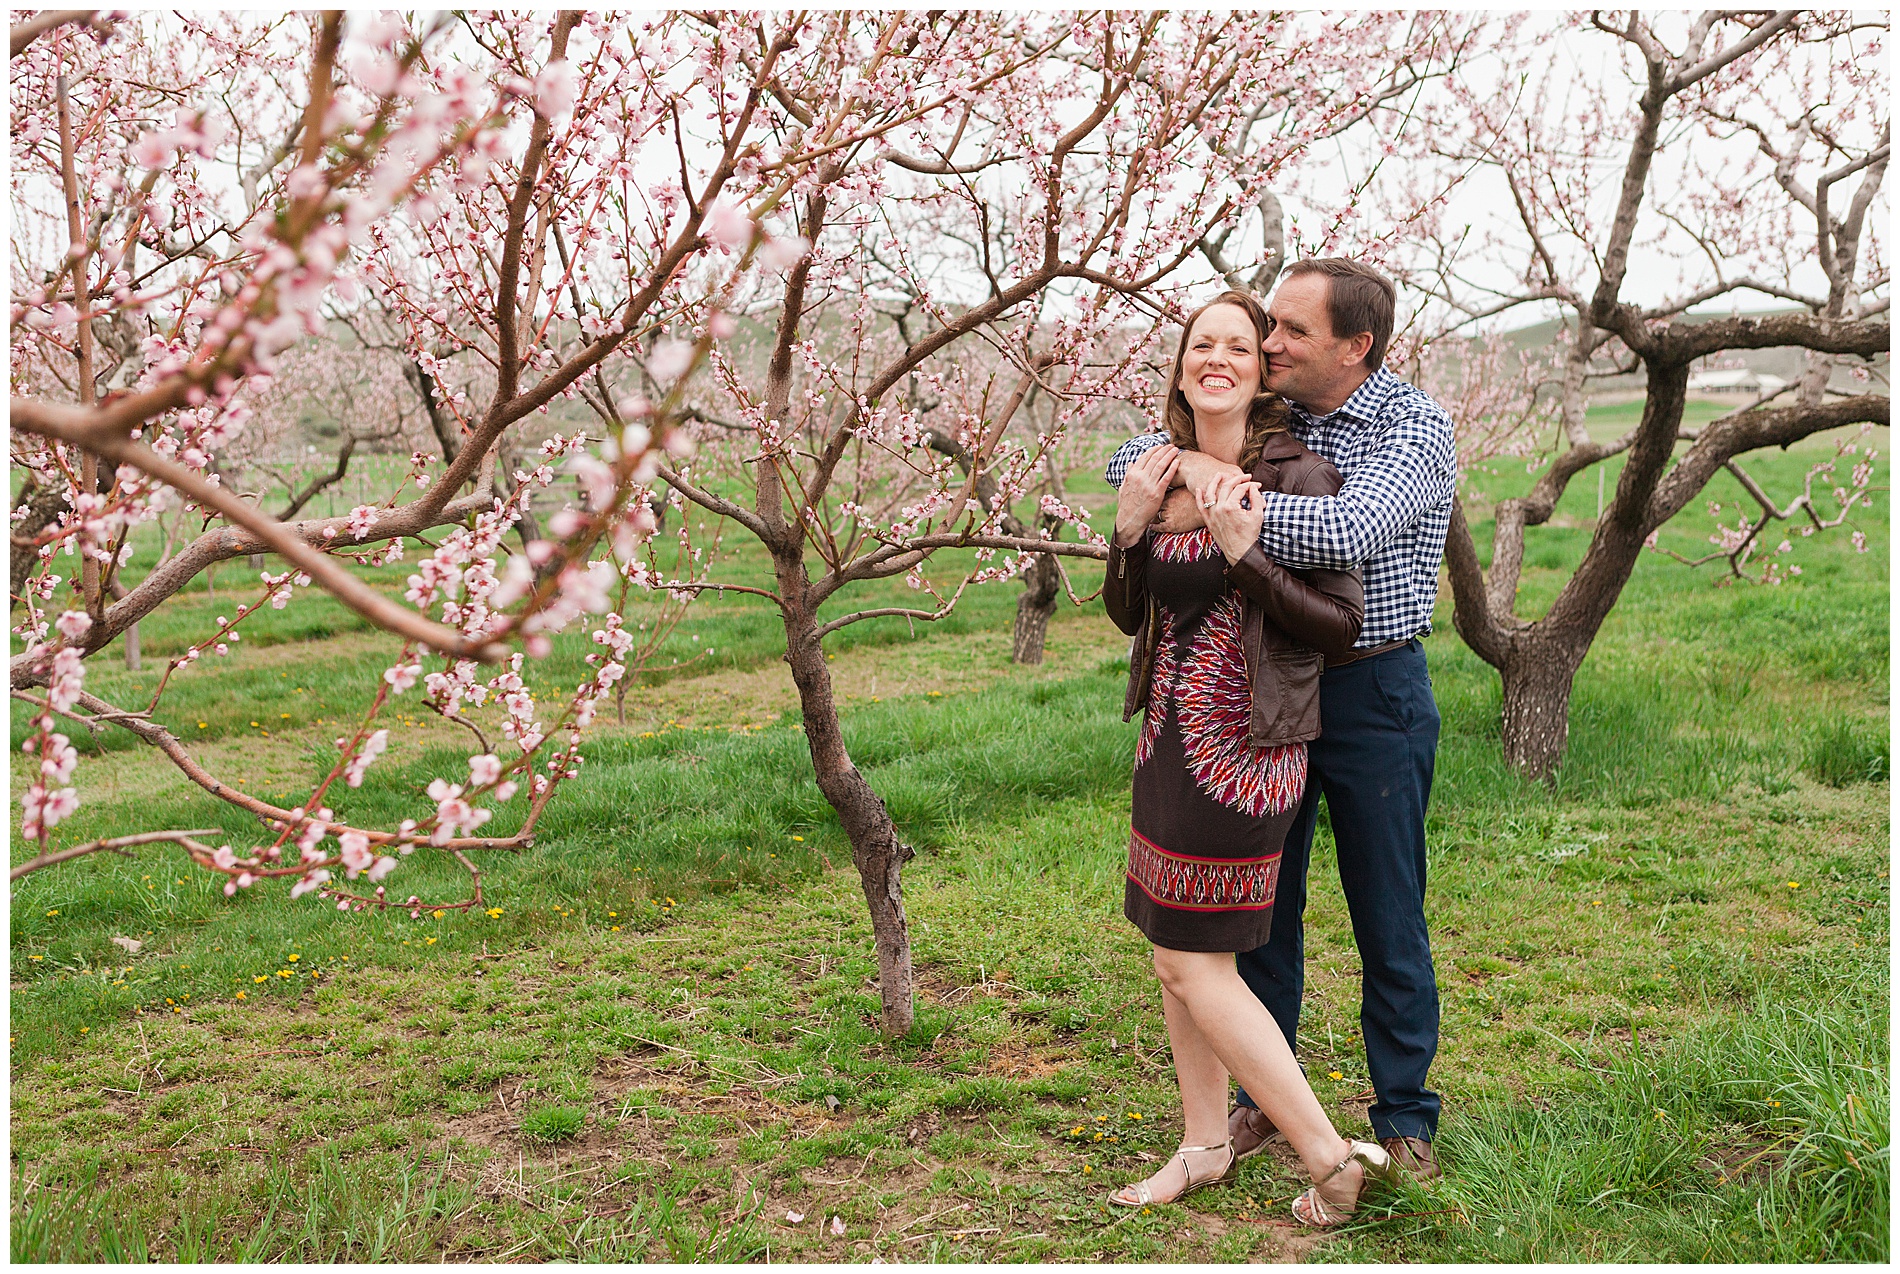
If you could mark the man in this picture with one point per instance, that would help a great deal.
(1332, 319)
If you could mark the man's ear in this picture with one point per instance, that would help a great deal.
(1356, 350)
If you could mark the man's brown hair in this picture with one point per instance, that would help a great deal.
(1358, 299)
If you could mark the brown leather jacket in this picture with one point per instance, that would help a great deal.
(1291, 620)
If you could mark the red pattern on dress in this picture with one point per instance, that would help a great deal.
(1183, 546)
(1214, 702)
(1160, 687)
(1201, 884)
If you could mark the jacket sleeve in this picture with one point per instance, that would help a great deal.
(1320, 608)
(1125, 590)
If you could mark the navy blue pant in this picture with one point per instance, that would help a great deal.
(1373, 763)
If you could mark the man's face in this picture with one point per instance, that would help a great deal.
(1306, 361)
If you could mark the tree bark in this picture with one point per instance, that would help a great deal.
(875, 848)
(1041, 582)
(1537, 679)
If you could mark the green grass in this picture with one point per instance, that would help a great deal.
(1664, 979)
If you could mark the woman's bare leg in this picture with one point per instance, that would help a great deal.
(1203, 1083)
(1237, 1028)
(1203, 1079)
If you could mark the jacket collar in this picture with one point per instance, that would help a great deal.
(1281, 445)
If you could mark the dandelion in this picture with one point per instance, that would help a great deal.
(1596, 902)
(293, 957)
(1337, 1075)
(798, 838)
(84, 1029)
(53, 912)
(240, 995)
(1134, 1114)
(429, 943)
(262, 977)
(1793, 884)
(438, 914)
(494, 913)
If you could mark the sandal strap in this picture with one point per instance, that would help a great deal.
(1187, 1169)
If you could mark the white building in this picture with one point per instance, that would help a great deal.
(1738, 380)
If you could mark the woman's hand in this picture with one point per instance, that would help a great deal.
(1144, 487)
(1234, 512)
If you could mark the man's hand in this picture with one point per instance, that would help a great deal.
(1181, 511)
(1198, 469)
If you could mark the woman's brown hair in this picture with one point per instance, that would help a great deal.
(1265, 416)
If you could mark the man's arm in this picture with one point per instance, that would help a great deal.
(1411, 469)
(1129, 452)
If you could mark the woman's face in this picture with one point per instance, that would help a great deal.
(1220, 370)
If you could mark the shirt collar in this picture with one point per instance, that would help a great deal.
(1364, 403)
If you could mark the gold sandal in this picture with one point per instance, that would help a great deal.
(1312, 1208)
(1144, 1194)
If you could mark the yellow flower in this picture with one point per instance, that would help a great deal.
(53, 912)
(201, 725)
(1794, 884)
(283, 716)
(1334, 1075)
(36, 957)
(437, 913)
(429, 943)
(84, 1029)
(494, 913)
(240, 995)
(616, 928)
(1134, 1114)
(1596, 902)
(293, 957)
(1086, 1168)
(262, 977)
(798, 838)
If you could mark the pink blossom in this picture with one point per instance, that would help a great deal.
(402, 676)
(74, 624)
(728, 225)
(483, 769)
(354, 846)
(669, 360)
(555, 90)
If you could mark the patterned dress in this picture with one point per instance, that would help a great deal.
(1211, 810)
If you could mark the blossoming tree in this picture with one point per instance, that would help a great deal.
(1714, 156)
(592, 214)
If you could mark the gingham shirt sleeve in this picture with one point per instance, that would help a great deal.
(1412, 467)
(1126, 454)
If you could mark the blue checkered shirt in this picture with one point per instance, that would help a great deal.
(1393, 446)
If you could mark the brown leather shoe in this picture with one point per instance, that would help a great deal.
(1251, 1131)
(1414, 1155)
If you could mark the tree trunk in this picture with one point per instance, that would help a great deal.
(1536, 727)
(1033, 609)
(875, 849)
(132, 647)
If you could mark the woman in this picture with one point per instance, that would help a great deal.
(1228, 652)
